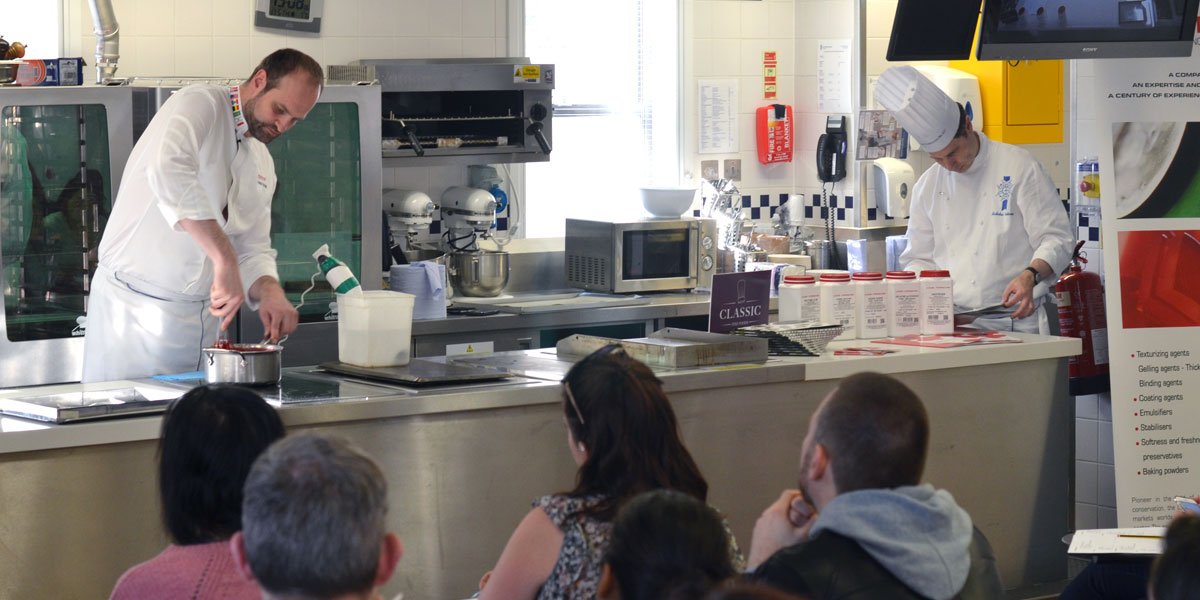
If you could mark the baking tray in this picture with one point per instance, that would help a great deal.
(527, 304)
(419, 372)
(71, 406)
(674, 347)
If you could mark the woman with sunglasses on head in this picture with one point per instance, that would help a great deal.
(623, 435)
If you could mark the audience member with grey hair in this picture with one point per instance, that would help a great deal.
(313, 522)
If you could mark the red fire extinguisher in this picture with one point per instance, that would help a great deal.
(1081, 314)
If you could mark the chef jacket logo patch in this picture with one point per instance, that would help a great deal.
(262, 182)
(1004, 195)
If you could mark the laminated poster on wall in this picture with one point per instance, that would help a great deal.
(879, 136)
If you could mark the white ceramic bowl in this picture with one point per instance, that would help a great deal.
(667, 202)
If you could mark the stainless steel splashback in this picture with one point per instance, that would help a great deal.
(62, 154)
(462, 111)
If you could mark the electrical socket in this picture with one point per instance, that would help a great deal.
(733, 169)
(710, 169)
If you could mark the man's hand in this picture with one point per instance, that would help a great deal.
(1019, 293)
(279, 317)
(782, 524)
(226, 294)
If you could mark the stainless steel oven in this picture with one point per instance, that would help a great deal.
(651, 255)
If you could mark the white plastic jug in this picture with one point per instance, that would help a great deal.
(375, 328)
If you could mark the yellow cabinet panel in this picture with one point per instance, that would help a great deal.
(1022, 100)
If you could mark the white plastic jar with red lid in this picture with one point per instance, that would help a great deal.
(870, 305)
(799, 298)
(904, 303)
(937, 302)
(838, 302)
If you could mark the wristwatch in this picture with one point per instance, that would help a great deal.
(1036, 276)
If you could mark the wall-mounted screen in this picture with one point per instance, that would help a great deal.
(1041, 29)
(933, 30)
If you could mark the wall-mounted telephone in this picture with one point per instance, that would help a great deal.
(831, 150)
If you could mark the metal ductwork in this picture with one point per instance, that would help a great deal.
(108, 39)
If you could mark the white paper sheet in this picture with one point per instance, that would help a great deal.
(834, 67)
(718, 116)
(1128, 540)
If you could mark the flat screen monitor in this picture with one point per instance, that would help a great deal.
(1049, 29)
(933, 30)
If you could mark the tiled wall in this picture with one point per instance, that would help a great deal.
(1095, 481)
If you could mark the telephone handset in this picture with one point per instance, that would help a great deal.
(831, 150)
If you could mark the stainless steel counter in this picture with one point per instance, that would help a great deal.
(464, 462)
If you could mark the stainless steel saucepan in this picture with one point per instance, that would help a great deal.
(249, 364)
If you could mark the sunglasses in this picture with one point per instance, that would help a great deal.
(611, 349)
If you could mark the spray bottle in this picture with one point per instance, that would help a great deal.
(336, 272)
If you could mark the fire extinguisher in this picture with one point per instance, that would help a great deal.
(1081, 314)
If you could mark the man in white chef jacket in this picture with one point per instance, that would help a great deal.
(189, 238)
(986, 211)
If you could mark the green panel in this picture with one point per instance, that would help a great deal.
(318, 201)
(52, 211)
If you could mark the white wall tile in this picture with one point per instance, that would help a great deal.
(702, 19)
(232, 17)
(153, 17)
(446, 18)
(1106, 486)
(1085, 482)
(1085, 407)
(448, 47)
(754, 20)
(703, 62)
(340, 50)
(412, 17)
(381, 18)
(726, 57)
(478, 18)
(1086, 438)
(1104, 406)
(194, 56)
(781, 20)
(1085, 516)
(880, 14)
(386, 47)
(727, 19)
(1104, 443)
(263, 44)
(157, 55)
(342, 19)
(193, 17)
(478, 47)
(502, 21)
(309, 44)
(234, 59)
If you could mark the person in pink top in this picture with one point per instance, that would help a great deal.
(210, 438)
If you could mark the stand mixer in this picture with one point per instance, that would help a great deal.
(467, 214)
(409, 213)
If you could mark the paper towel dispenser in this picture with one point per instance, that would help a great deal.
(893, 181)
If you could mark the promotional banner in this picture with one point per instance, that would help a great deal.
(1148, 120)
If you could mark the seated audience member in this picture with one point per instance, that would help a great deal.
(313, 522)
(210, 438)
(861, 526)
(1175, 575)
(665, 544)
(749, 591)
(623, 435)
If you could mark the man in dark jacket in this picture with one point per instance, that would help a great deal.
(861, 526)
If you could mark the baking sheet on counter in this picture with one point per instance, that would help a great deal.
(124, 398)
(524, 304)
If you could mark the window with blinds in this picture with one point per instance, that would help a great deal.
(616, 107)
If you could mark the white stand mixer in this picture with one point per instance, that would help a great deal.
(467, 214)
(409, 213)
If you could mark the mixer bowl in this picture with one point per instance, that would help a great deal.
(479, 274)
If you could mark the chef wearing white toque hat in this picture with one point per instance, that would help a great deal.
(986, 211)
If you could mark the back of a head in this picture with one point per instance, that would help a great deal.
(286, 61)
(667, 544)
(313, 518)
(876, 431)
(1174, 575)
(616, 407)
(210, 438)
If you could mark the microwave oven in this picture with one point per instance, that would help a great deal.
(651, 255)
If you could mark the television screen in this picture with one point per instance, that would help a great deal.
(933, 30)
(1041, 29)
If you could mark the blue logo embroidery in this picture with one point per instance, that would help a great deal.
(1004, 194)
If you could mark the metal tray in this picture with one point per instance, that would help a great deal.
(70, 406)
(419, 372)
(528, 304)
(674, 347)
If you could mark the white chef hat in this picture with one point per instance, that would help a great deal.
(919, 105)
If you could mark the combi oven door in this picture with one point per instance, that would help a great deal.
(62, 154)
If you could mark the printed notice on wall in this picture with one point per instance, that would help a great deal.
(833, 76)
(718, 116)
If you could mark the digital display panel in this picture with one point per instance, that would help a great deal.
(291, 9)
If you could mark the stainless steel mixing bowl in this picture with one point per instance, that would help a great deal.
(480, 274)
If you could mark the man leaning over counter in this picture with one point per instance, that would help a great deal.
(986, 211)
(189, 239)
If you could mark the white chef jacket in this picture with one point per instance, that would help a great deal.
(147, 309)
(987, 224)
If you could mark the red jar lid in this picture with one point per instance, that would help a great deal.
(835, 277)
(901, 275)
(867, 276)
(935, 273)
(799, 279)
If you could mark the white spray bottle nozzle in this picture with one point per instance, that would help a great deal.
(322, 251)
